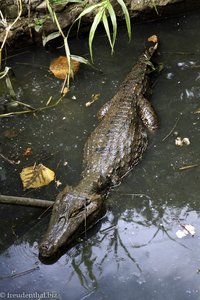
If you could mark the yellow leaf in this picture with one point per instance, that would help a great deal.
(36, 176)
(59, 67)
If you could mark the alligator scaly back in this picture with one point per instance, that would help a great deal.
(111, 151)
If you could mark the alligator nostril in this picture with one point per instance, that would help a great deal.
(44, 246)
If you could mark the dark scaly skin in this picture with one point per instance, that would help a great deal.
(113, 148)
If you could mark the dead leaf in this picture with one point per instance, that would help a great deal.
(10, 133)
(28, 152)
(59, 67)
(187, 229)
(66, 90)
(36, 176)
(153, 38)
(197, 111)
(181, 142)
(94, 98)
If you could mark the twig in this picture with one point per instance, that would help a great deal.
(67, 51)
(33, 110)
(20, 274)
(29, 17)
(46, 210)
(188, 167)
(177, 120)
(8, 160)
(25, 201)
(8, 28)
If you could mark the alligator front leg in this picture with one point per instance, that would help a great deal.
(105, 108)
(148, 114)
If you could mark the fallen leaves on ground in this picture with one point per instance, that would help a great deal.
(36, 176)
(60, 68)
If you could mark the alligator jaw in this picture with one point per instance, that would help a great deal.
(63, 227)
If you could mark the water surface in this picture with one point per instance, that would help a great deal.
(133, 252)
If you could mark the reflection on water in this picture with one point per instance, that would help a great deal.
(133, 252)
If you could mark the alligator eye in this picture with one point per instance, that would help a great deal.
(62, 219)
(88, 201)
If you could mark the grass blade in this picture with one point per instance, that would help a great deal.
(96, 21)
(50, 10)
(114, 22)
(155, 7)
(127, 17)
(88, 10)
(107, 29)
(80, 59)
(50, 37)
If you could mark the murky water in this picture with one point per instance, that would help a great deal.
(133, 253)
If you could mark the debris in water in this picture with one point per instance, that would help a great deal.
(66, 90)
(187, 229)
(28, 152)
(60, 68)
(10, 133)
(153, 38)
(188, 167)
(36, 176)
(94, 98)
(197, 111)
(181, 142)
(58, 183)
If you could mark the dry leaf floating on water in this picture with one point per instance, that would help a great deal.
(60, 68)
(36, 176)
(28, 152)
(153, 38)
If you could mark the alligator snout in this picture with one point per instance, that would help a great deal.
(46, 249)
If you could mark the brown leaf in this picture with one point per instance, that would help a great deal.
(94, 98)
(10, 133)
(153, 38)
(66, 90)
(197, 111)
(36, 176)
(28, 152)
(59, 67)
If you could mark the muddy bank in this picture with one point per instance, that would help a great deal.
(36, 22)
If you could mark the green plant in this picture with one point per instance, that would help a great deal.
(102, 10)
(8, 26)
(38, 23)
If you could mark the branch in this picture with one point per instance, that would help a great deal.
(25, 201)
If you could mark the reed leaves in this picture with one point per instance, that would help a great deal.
(102, 11)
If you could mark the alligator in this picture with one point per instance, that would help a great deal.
(111, 151)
